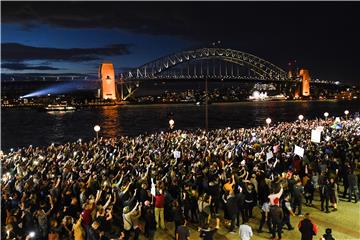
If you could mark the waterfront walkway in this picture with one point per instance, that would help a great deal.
(345, 224)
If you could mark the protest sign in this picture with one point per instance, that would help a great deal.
(269, 155)
(177, 154)
(299, 151)
(316, 136)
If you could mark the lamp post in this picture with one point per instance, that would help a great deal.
(268, 121)
(301, 117)
(97, 129)
(346, 114)
(206, 106)
(326, 114)
(171, 123)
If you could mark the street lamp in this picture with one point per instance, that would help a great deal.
(268, 121)
(171, 123)
(301, 117)
(346, 113)
(357, 119)
(97, 129)
(326, 114)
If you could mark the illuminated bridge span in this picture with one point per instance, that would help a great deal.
(209, 63)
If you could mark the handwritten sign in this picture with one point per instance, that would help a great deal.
(299, 151)
(316, 136)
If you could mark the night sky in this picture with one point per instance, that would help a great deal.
(74, 37)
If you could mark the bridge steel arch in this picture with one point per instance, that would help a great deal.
(265, 69)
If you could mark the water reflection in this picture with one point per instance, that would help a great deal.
(41, 128)
(111, 125)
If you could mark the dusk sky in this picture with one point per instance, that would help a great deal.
(74, 37)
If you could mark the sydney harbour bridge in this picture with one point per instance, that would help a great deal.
(203, 63)
(197, 64)
(209, 63)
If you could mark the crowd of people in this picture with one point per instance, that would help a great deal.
(127, 187)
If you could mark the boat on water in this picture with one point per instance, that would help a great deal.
(59, 107)
(263, 96)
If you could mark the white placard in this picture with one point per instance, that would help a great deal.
(269, 155)
(320, 128)
(153, 190)
(177, 154)
(299, 151)
(316, 136)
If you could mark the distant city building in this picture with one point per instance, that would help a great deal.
(107, 76)
(305, 88)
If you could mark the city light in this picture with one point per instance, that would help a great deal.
(337, 120)
(301, 117)
(97, 129)
(346, 114)
(171, 123)
(326, 114)
(268, 121)
(357, 119)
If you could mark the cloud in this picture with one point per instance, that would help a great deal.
(19, 52)
(193, 20)
(23, 66)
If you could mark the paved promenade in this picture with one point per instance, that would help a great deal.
(345, 224)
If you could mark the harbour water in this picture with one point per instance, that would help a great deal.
(22, 127)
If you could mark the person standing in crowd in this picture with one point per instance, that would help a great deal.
(128, 218)
(327, 235)
(333, 194)
(150, 223)
(208, 232)
(298, 191)
(353, 186)
(232, 209)
(277, 216)
(274, 196)
(309, 189)
(249, 201)
(286, 207)
(79, 232)
(265, 216)
(182, 231)
(325, 195)
(307, 228)
(159, 209)
(204, 209)
(245, 232)
(344, 173)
